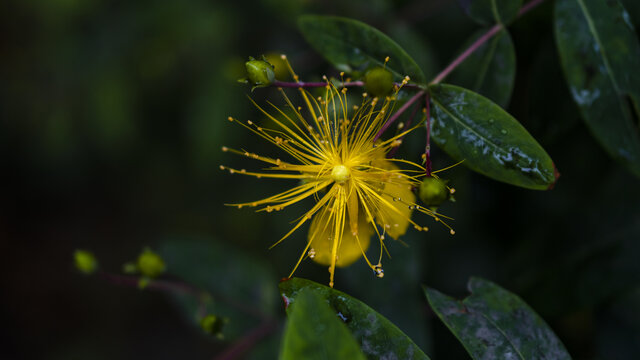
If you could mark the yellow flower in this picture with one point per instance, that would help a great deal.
(339, 163)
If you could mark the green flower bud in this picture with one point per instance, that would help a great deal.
(212, 324)
(85, 262)
(378, 82)
(259, 72)
(150, 264)
(433, 191)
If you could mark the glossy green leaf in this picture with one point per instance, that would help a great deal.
(490, 70)
(600, 55)
(493, 323)
(377, 336)
(470, 127)
(315, 332)
(489, 12)
(353, 46)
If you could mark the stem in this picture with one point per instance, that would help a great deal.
(528, 6)
(301, 84)
(427, 150)
(248, 341)
(483, 39)
(408, 125)
(397, 114)
(177, 287)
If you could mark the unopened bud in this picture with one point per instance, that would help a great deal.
(433, 191)
(85, 262)
(378, 82)
(259, 73)
(150, 264)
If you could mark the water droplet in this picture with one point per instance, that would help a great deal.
(503, 131)
(377, 270)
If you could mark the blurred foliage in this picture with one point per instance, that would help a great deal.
(113, 115)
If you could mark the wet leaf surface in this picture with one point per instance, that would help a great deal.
(353, 46)
(470, 127)
(314, 331)
(377, 336)
(493, 323)
(598, 49)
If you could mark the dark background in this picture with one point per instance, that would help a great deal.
(112, 115)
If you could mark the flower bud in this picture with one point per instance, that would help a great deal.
(259, 73)
(378, 82)
(212, 325)
(85, 262)
(433, 191)
(150, 264)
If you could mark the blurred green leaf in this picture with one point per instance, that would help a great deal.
(489, 12)
(470, 127)
(600, 55)
(377, 336)
(493, 323)
(351, 45)
(237, 286)
(314, 331)
(490, 70)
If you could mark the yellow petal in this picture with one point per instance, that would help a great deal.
(349, 250)
(399, 194)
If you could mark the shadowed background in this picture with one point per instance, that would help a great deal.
(112, 115)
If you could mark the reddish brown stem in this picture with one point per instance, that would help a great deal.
(301, 84)
(242, 345)
(397, 114)
(407, 125)
(483, 39)
(180, 288)
(427, 150)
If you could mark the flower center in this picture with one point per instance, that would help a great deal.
(340, 173)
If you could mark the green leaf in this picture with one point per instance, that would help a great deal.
(600, 55)
(314, 331)
(470, 127)
(377, 336)
(353, 46)
(490, 70)
(493, 323)
(489, 12)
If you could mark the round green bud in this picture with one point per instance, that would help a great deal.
(212, 324)
(378, 82)
(433, 191)
(85, 262)
(150, 264)
(259, 73)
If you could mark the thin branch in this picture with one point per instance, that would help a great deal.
(397, 114)
(181, 288)
(245, 343)
(483, 39)
(302, 84)
(427, 149)
(407, 125)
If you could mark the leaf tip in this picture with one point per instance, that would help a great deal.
(556, 176)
